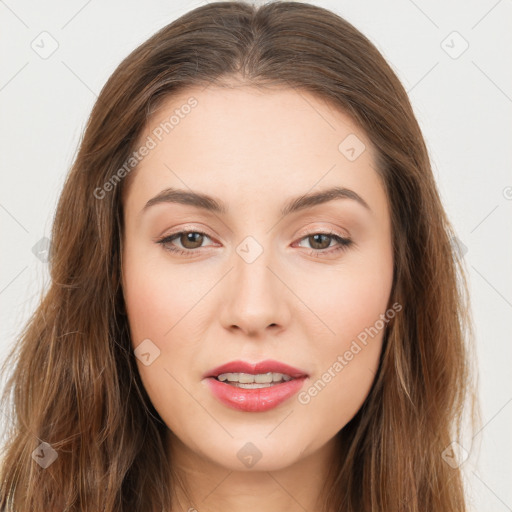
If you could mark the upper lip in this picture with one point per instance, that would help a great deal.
(266, 366)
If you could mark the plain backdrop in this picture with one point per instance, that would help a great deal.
(453, 59)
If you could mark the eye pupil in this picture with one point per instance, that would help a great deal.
(316, 241)
(191, 237)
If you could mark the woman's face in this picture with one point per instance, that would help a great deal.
(252, 278)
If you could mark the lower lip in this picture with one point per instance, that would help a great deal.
(254, 400)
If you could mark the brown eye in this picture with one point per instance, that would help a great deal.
(320, 243)
(316, 241)
(188, 242)
(190, 239)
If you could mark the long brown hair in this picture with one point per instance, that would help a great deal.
(75, 384)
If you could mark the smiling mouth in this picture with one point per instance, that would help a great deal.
(254, 396)
(250, 381)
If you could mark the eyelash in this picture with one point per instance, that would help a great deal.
(343, 243)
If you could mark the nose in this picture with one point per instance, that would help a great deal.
(256, 298)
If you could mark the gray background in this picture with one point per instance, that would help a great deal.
(462, 99)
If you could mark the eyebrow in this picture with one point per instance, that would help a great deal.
(209, 203)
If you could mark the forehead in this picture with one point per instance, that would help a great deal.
(281, 116)
(274, 142)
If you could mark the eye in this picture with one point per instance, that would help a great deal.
(318, 242)
(191, 242)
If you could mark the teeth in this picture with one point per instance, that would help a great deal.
(263, 378)
(254, 385)
(247, 378)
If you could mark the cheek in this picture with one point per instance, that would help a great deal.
(156, 298)
(352, 304)
(157, 304)
(163, 303)
(348, 299)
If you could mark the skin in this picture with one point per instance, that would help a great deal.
(254, 149)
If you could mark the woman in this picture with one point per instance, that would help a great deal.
(254, 299)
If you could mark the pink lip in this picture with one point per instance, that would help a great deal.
(255, 400)
(266, 366)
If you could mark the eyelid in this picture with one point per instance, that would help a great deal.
(307, 231)
(185, 229)
(322, 228)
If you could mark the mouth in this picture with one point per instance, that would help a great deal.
(249, 381)
(264, 372)
(255, 387)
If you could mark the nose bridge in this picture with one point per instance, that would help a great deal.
(252, 276)
(255, 298)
